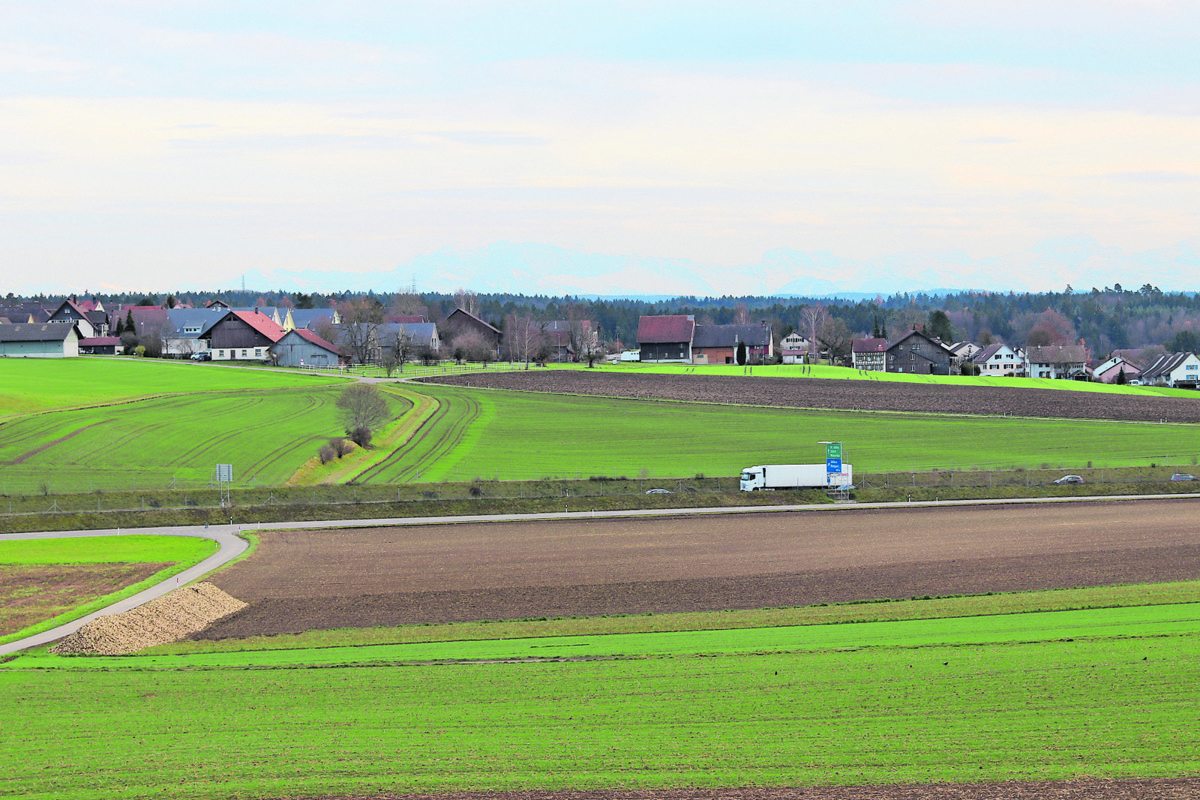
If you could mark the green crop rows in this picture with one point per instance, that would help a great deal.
(1038, 696)
(154, 426)
(522, 436)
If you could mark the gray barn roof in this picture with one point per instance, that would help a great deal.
(34, 332)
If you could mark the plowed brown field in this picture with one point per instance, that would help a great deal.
(302, 580)
(864, 395)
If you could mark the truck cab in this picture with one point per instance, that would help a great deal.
(753, 479)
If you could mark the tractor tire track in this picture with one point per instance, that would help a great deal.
(448, 437)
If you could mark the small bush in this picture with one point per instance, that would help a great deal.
(327, 453)
(342, 446)
(476, 491)
(429, 495)
(361, 436)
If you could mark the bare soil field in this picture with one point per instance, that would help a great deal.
(1165, 789)
(304, 580)
(35, 592)
(863, 395)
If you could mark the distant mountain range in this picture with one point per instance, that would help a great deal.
(539, 269)
(530, 269)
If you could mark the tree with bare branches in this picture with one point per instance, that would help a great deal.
(468, 301)
(361, 319)
(364, 410)
(811, 319)
(836, 339)
(523, 338)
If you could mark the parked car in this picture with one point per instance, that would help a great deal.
(658, 491)
(1183, 476)
(203, 356)
(1065, 479)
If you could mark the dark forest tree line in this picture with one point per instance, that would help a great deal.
(1103, 319)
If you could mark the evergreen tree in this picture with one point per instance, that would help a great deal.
(129, 326)
(939, 326)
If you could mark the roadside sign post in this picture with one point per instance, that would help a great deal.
(833, 462)
(222, 477)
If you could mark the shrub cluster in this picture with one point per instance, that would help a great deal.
(338, 446)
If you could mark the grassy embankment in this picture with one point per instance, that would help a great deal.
(88, 573)
(1103, 693)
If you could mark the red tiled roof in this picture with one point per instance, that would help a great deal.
(261, 323)
(869, 345)
(666, 329)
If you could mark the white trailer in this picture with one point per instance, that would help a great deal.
(794, 476)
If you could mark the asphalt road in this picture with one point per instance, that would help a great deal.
(232, 546)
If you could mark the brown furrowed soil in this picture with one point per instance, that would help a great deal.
(861, 395)
(302, 580)
(31, 593)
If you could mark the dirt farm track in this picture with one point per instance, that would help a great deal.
(304, 579)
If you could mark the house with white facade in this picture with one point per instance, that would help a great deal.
(1178, 370)
(1058, 361)
(1110, 370)
(793, 348)
(998, 360)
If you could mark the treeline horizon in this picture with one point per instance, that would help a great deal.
(1103, 320)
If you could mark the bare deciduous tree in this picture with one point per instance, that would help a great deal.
(811, 318)
(836, 338)
(361, 319)
(363, 411)
(471, 345)
(407, 304)
(523, 338)
(468, 301)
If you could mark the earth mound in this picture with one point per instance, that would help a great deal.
(166, 619)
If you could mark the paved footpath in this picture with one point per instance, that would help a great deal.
(232, 545)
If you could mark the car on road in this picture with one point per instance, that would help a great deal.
(658, 491)
(1183, 476)
(202, 356)
(1065, 479)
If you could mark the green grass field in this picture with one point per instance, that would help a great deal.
(1099, 693)
(523, 436)
(105, 550)
(37, 384)
(266, 434)
(845, 373)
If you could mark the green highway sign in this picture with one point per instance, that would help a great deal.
(833, 450)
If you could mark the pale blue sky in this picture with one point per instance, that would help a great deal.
(144, 144)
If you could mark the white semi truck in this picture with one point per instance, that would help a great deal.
(794, 476)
